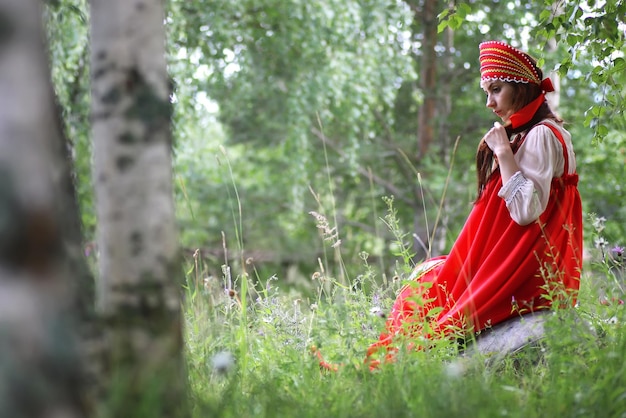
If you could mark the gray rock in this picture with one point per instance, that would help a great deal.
(511, 337)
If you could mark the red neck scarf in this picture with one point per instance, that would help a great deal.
(521, 120)
(525, 114)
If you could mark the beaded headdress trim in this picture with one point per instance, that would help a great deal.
(500, 61)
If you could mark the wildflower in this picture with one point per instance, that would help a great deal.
(605, 302)
(618, 251)
(600, 242)
(377, 310)
(598, 223)
(329, 234)
(90, 247)
(578, 397)
(223, 362)
(455, 369)
(323, 364)
(375, 299)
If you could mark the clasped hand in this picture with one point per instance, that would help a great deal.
(497, 139)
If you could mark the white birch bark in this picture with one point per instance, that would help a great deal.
(138, 290)
(38, 376)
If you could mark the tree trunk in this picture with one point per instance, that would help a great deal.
(39, 377)
(440, 232)
(428, 76)
(138, 293)
(425, 14)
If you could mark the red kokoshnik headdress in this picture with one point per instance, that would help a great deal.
(500, 61)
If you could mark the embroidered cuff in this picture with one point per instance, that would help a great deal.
(512, 187)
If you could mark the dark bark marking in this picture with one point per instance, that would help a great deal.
(7, 28)
(147, 309)
(98, 116)
(11, 222)
(124, 162)
(147, 107)
(102, 68)
(30, 240)
(112, 97)
(127, 138)
(99, 73)
(136, 241)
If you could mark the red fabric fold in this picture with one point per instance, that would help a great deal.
(525, 114)
(496, 269)
(546, 85)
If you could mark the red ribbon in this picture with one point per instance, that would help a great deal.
(546, 85)
(526, 113)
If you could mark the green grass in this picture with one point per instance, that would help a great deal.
(275, 374)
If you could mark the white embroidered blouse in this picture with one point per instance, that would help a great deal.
(540, 158)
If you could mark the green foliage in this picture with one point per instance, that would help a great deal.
(256, 360)
(295, 59)
(594, 33)
(601, 180)
(304, 92)
(453, 17)
(68, 43)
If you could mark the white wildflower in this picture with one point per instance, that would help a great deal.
(378, 311)
(223, 362)
(455, 369)
(600, 242)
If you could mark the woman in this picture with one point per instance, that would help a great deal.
(521, 247)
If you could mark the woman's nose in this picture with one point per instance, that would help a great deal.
(490, 102)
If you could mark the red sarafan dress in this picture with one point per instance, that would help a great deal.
(496, 269)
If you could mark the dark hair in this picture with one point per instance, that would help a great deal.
(523, 94)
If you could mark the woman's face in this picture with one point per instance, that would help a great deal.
(500, 98)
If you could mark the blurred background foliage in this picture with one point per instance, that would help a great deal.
(286, 107)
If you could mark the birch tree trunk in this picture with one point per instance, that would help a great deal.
(40, 373)
(138, 293)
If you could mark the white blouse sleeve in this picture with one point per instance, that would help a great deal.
(540, 158)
